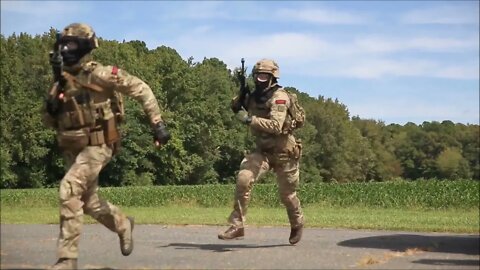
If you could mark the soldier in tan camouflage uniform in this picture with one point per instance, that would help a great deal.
(84, 108)
(276, 149)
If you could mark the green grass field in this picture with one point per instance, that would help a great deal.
(422, 205)
(453, 220)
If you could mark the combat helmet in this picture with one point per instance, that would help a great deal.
(267, 66)
(74, 42)
(80, 31)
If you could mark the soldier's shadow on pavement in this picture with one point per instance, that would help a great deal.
(460, 244)
(219, 247)
(447, 262)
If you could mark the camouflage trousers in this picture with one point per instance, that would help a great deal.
(253, 166)
(78, 195)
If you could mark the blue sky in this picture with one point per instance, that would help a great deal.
(393, 61)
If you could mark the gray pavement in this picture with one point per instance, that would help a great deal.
(197, 247)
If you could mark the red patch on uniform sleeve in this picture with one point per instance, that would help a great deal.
(280, 101)
(114, 70)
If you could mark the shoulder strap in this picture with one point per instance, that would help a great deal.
(90, 86)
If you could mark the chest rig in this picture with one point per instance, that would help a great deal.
(87, 109)
(258, 106)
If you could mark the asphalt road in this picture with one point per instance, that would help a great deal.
(197, 247)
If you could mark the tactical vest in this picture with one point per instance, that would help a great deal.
(89, 114)
(267, 142)
(258, 107)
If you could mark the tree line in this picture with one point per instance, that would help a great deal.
(208, 143)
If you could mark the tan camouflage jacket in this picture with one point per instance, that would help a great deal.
(112, 78)
(105, 80)
(270, 123)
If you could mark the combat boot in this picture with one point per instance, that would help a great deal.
(126, 239)
(296, 234)
(232, 233)
(65, 263)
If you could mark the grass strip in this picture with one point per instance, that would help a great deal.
(421, 220)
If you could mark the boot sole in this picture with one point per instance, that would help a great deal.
(234, 238)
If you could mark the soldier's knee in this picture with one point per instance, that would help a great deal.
(288, 199)
(244, 179)
(96, 208)
(70, 208)
(69, 188)
(70, 198)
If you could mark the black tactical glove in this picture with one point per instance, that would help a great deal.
(160, 133)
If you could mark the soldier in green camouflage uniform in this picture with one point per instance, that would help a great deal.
(86, 119)
(276, 149)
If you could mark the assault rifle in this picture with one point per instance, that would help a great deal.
(244, 89)
(55, 95)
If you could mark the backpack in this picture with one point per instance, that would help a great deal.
(297, 113)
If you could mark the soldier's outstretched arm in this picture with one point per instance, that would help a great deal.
(278, 112)
(134, 87)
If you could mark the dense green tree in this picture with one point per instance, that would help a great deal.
(384, 162)
(208, 144)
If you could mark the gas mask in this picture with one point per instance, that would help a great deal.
(73, 49)
(262, 81)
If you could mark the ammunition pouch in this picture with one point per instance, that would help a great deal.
(85, 126)
(73, 139)
(110, 131)
(108, 120)
(76, 115)
(107, 133)
(297, 150)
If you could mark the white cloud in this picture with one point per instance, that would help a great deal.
(258, 11)
(35, 17)
(444, 15)
(44, 9)
(430, 44)
(291, 47)
(201, 10)
(384, 67)
(413, 110)
(458, 72)
(363, 56)
(308, 54)
(377, 68)
(321, 16)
